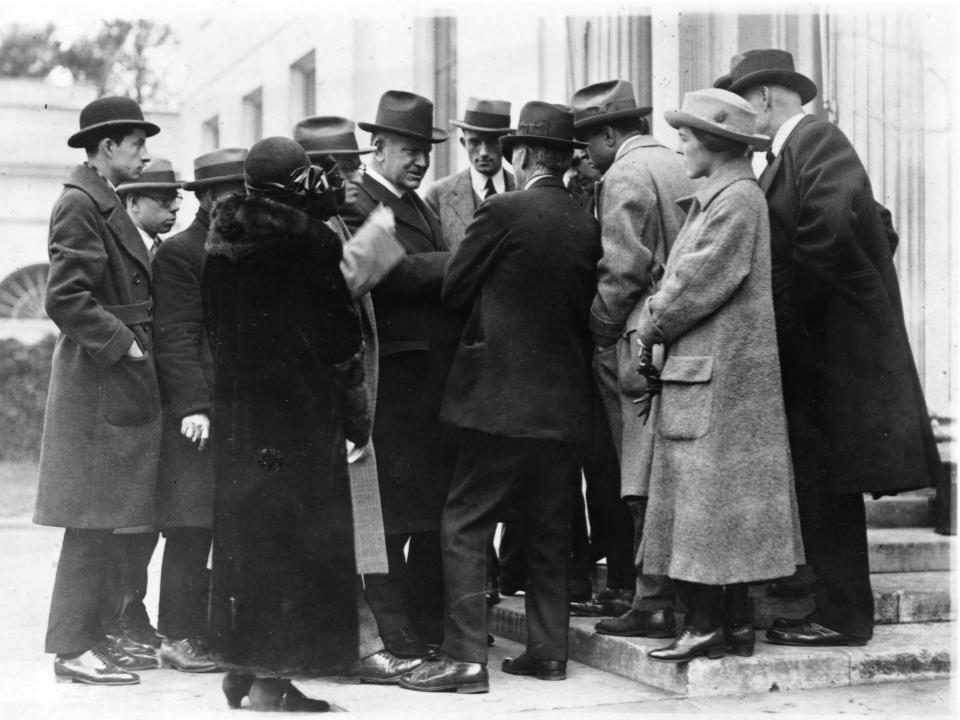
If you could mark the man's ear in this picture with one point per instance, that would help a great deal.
(609, 136)
(463, 143)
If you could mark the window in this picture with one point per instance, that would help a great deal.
(253, 116)
(303, 87)
(211, 134)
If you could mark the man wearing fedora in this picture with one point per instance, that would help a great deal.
(519, 392)
(639, 217)
(185, 369)
(856, 414)
(101, 436)
(456, 197)
(418, 338)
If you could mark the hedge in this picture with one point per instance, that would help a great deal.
(24, 377)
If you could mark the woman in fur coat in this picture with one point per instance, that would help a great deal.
(285, 338)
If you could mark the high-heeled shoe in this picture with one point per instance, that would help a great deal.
(692, 644)
(236, 686)
(273, 694)
(740, 640)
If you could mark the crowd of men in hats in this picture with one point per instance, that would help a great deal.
(510, 349)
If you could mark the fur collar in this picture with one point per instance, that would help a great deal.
(244, 223)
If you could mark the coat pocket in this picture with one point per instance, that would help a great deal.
(130, 394)
(687, 404)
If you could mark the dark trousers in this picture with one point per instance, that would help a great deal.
(81, 596)
(127, 583)
(184, 583)
(490, 471)
(713, 606)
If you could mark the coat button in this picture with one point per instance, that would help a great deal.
(137, 279)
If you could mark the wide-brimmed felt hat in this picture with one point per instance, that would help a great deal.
(605, 102)
(328, 135)
(158, 175)
(545, 124)
(99, 116)
(486, 116)
(223, 165)
(407, 114)
(766, 67)
(719, 112)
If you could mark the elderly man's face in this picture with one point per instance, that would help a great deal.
(403, 160)
(483, 150)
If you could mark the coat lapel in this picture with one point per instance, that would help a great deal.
(403, 213)
(770, 172)
(463, 199)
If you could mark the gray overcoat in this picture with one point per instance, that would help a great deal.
(722, 507)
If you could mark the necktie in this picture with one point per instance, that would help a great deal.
(155, 247)
(489, 190)
(770, 157)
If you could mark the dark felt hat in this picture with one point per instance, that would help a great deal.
(486, 116)
(103, 114)
(544, 124)
(274, 160)
(719, 112)
(605, 102)
(328, 135)
(765, 67)
(223, 165)
(407, 114)
(158, 175)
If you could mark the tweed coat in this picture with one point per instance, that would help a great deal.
(639, 220)
(526, 270)
(101, 434)
(722, 506)
(418, 338)
(454, 202)
(185, 369)
(840, 321)
(284, 334)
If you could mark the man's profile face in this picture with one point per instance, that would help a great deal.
(128, 157)
(483, 150)
(754, 96)
(156, 213)
(599, 153)
(403, 160)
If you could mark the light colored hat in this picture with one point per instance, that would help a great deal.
(158, 175)
(486, 116)
(719, 112)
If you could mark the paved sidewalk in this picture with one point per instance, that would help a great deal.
(28, 690)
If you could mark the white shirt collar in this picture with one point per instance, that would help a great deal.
(759, 160)
(147, 239)
(533, 181)
(479, 182)
(386, 183)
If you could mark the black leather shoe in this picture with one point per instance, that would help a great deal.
(406, 644)
(691, 644)
(235, 687)
(527, 664)
(493, 590)
(798, 585)
(640, 623)
(131, 646)
(276, 694)
(186, 655)
(94, 667)
(607, 602)
(380, 668)
(146, 635)
(120, 657)
(811, 634)
(446, 674)
(787, 622)
(510, 588)
(740, 640)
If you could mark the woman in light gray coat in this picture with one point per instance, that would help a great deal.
(722, 511)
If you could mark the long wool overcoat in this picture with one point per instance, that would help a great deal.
(101, 433)
(722, 507)
(284, 333)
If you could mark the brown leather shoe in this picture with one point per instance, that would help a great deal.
(640, 623)
(527, 664)
(122, 658)
(380, 668)
(607, 602)
(186, 655)
(444, 673)
(94, 667)
(692, 644)
(811, 634)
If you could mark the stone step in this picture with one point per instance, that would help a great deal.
(913, 509)
(915, 651)
(899, 550)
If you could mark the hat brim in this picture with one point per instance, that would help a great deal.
(80, 139)
(314, 154)
(611, 117)
(723, 82)
(676, 118)
(131, 187)
(803, 85)
(481, 129)
(438, 135)
(207, 182)
(508, 141)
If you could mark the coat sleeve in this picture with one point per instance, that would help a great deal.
(479, 252)
(178, 321)
(700, 280)
(368, 256)
(78, 264)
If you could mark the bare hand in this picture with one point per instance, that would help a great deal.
(196, 428)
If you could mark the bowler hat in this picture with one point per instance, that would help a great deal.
(220, 166)
(273, 160)
(485, 116)
(766, 67)
(605, 102)
(328, 135)
(544, 124)
(158, 175)
(407, 114)
(719, 112)
(99, 116)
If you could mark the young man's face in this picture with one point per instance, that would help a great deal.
(483, 150)
(155, 213)
(127, 158)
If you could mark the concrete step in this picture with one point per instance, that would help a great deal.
(899, 550)
(914, 651)
(913, 509)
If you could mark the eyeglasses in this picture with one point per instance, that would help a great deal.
(168, 202)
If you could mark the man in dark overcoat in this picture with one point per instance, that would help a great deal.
(855, 410)
(520, 391)
(185, 369)
(418, 337)
(101, 435)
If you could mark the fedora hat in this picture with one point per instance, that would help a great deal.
(158, 175)
(219, 166)
(486, 116)
(719, 112)
(328, 135)
(545, 124)
(407, 114)
(103, 114)
(766, 67)
(605, 102)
